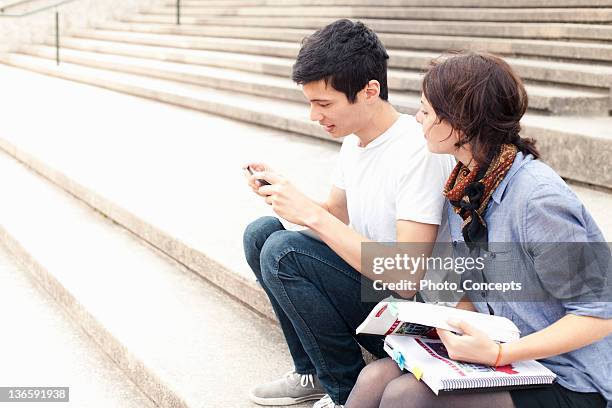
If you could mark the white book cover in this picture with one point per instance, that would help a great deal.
(428, 360)
(393, 316)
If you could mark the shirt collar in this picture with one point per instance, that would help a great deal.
(519, 161)
(386, 135)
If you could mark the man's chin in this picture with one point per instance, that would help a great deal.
(338, 133)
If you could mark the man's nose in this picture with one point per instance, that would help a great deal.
(315, 115)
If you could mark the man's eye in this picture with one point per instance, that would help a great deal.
(324, 105)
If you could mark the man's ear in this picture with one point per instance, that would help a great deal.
(371, 91)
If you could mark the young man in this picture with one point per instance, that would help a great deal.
(386, 187)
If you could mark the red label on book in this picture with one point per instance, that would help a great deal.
(393, 327)
(435, 355)
(506, 369)
(380, 312)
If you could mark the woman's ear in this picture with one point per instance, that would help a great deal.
(372, 91)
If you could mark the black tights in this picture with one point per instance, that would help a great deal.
(381, 384)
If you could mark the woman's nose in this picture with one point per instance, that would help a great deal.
(419, 117)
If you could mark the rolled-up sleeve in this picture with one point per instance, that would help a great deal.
(571, 268)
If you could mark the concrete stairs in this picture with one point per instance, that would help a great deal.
(165, 202)
(165, 330)
(42, 346)
(234, 59)
(268, 84)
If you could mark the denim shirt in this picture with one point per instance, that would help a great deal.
(531, 205)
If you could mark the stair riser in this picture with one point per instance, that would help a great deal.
(203, 44)
(575, 15)
(498, 30)
(573, 156)
(571, 51)
(392, 3)
(561, 76)
(557, 106)
(291, 94)
(178, 56)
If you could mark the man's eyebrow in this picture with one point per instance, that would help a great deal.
(320, 100)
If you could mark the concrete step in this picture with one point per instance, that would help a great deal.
(238, 81)
(416, 3)
(582, 74)
(284, 115)
(204, 240)
(9, 7)
(45, 347)
(552, 99)
(183, 342)
(588, 159)
(254, 47)
(296, 26)
(568, 15)
(171, 172)
(508, 47)
(245, 62)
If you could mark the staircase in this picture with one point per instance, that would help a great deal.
(149, 200)
(233, 58)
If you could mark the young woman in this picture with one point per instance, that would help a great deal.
(500, 192)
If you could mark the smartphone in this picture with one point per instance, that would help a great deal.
(260, 181)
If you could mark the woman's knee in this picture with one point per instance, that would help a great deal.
(379, 371)
(406, 391)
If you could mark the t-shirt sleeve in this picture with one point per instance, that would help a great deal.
(420, 186)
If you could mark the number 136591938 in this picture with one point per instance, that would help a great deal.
(34, 394)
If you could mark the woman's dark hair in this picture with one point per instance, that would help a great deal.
(480, 96)
(346, 54)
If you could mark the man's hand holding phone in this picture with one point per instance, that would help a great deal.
(253, 182)
(286, 200)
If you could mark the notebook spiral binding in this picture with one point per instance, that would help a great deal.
(464, 383)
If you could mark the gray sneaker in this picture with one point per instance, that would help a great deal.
(292, 388)
(326, 402)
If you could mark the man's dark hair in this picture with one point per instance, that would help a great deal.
(346, 54)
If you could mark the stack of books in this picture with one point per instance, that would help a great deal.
(412, 342)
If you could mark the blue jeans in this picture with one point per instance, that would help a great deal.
(316, 296)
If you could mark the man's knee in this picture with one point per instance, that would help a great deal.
(278, 246)
(256, 234)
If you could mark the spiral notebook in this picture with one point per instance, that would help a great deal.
(428, 361)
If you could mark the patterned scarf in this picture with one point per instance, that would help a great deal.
(470, 191)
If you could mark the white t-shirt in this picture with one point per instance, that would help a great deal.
(394, 177)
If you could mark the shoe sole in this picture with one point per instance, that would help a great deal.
(284, 400)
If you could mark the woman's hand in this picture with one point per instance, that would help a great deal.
(286, 200)
(474, 346)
